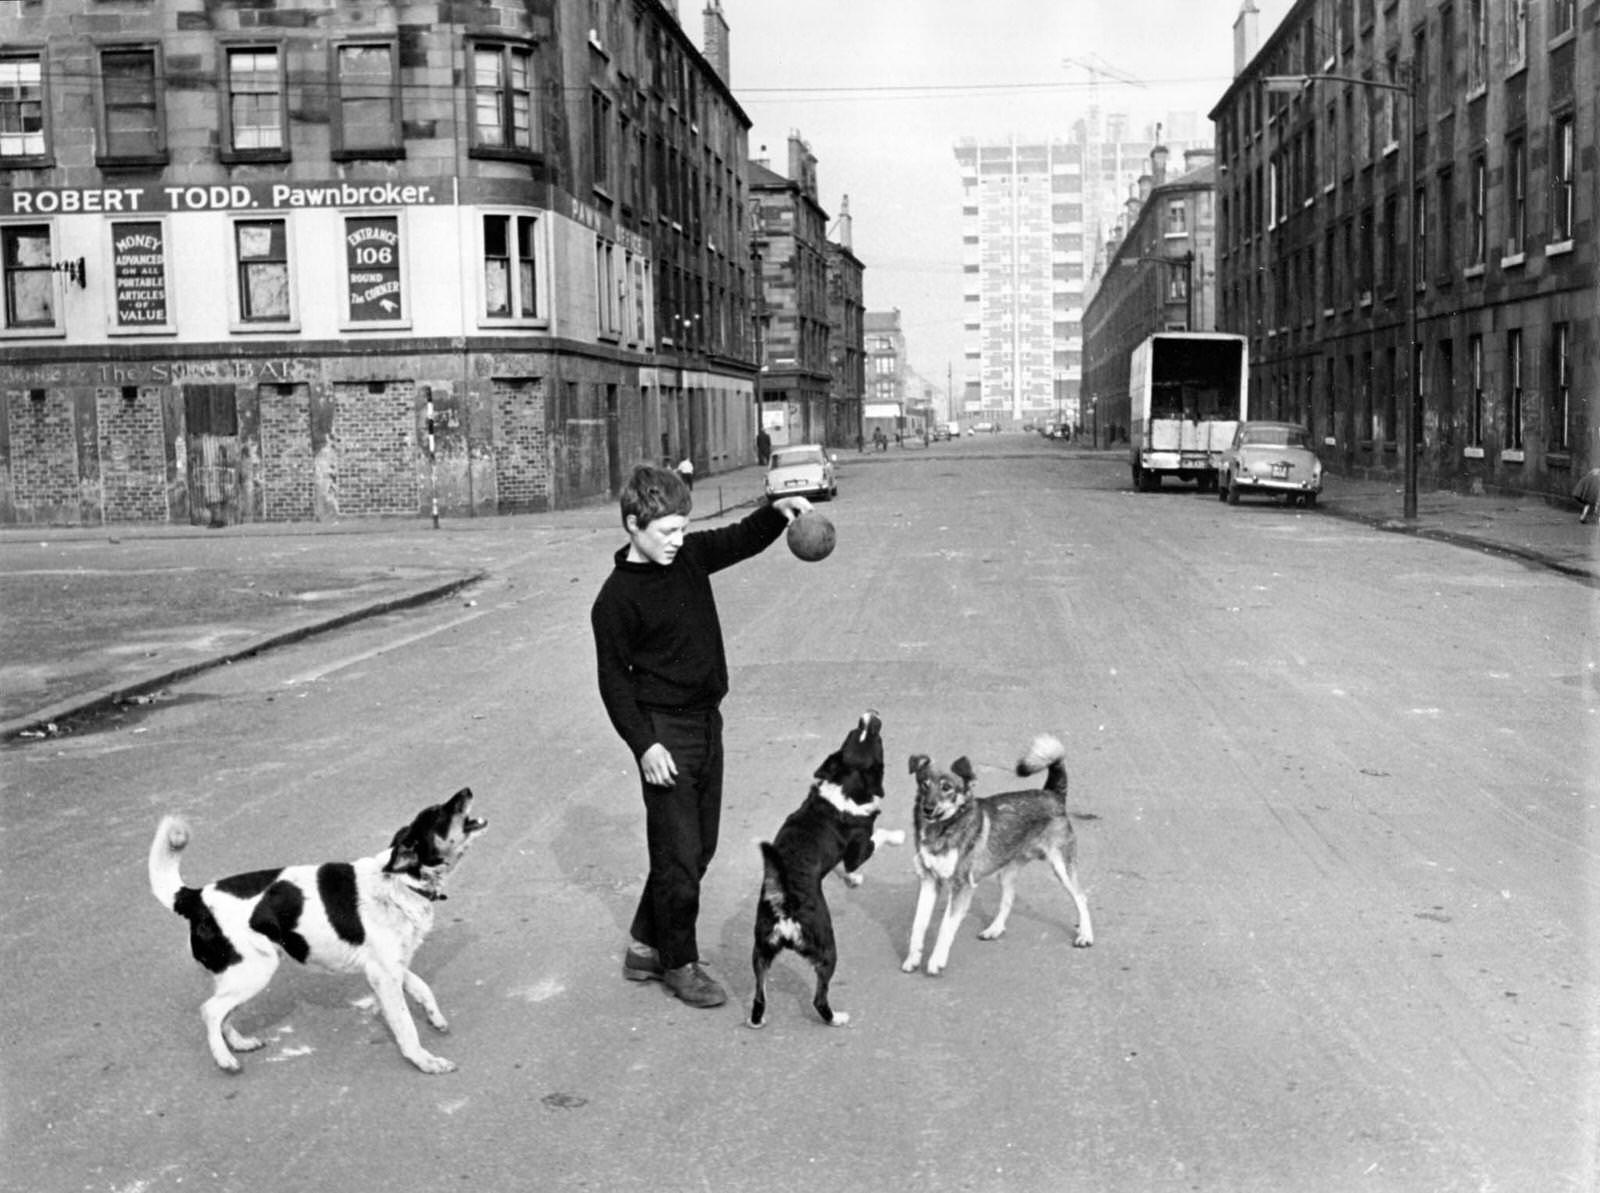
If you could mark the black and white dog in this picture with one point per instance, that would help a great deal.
(368, 916)
(832, 828)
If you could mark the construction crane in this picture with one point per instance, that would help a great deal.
(1098, 68)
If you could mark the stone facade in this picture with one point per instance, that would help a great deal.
(246, 247)
(1436, 165)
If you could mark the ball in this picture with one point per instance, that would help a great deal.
(811, 536)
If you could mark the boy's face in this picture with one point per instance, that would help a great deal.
(658, 542)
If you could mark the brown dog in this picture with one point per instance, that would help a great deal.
(961, 839)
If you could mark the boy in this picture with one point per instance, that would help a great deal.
(663, 673)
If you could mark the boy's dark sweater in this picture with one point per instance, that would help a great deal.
(658, 640)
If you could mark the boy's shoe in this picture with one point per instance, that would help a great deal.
(642, 964)
(694, 986)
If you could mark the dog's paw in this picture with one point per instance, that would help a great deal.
(438, 1022)
(991, 934)
(840, 1018)
(429, 1063)
(1083, 940)
(853, 879)
(228, 1064)
(909, 965)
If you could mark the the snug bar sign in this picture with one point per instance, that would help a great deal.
(372, 258)
(139, 273)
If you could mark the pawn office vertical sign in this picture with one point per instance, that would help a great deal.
(372, 258)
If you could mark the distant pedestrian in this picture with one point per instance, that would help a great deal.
(763, 446)
(1587, 493)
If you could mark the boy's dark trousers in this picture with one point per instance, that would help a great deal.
(681, 824)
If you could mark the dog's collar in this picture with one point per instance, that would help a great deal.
(833, 795)
(432, 893)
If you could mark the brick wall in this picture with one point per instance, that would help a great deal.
(375, 437)
(522, 449)
(288, 479)
(44, 456)
(133, 457)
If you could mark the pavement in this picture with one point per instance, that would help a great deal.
(93, 618)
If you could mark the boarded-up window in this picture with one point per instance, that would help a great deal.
(211, 409)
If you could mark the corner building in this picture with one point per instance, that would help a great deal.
(247, 250)
(1465, 197)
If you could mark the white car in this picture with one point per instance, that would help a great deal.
(805, 469)
(1273, 458)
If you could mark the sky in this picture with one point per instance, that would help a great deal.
(882, 90)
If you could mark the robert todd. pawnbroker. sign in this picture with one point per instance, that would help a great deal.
(236, 196)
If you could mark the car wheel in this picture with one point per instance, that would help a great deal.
(1311, 501)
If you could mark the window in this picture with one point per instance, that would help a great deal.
(1419, 239)
(1563, 17)
(1560, 389)
(262, 248)
(1480, 202)
(1421, 83)
(1475, 396)
(1447, 55)
(1329, 293)
(366, 101)
(130, 107)
(600, 136)
(1516, 194)
(1447, 222)
(1514, 389)
(502, 100)
(1561, 179)
(1477, 44)
(1391, 384)
(1516, 13)
(21, 108)
(1391, 102)
(607, 316)
(511, 271)
(1177, 218)
(30, 282)
(255, 111)
(1391, 243)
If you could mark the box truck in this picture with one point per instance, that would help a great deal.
(1186, 396)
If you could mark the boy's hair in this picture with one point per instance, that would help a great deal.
(653, 493)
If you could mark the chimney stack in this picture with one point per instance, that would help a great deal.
(1158, 165)
(1246, 36)
(716, 40)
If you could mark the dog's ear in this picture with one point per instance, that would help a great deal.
(919, 763)
(963, 768)
(403, 856)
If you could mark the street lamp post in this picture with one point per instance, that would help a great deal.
(1294, 84)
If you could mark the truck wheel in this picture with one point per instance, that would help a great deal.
(1222, 490)
(1311, 501)
(1232, 494)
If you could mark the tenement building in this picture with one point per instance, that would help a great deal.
(1159, 275)
(797, 377)
(296, 261)
(1426, 164)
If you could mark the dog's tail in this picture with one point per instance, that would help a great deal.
(1046, 751)
(774, 891)
(172, 836)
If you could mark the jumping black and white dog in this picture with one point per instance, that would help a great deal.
(833, 828)
(368, 916)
